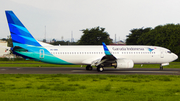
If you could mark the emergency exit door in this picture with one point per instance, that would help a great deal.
(162, 54)
(41, 53)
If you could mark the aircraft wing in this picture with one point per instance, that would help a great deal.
(92, 61)
(96, 61)
(17, 48)
(108, 58)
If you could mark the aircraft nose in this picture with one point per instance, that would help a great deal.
(175, 56)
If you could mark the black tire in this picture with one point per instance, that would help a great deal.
(161, 67)
(100, 69)
(89, 67)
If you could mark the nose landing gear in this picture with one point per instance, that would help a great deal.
(161, 67)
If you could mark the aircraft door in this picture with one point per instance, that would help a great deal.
(41, 53)
(161, 54)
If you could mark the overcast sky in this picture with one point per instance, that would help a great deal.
(63, 17)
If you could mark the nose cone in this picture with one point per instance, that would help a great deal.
(175, 56)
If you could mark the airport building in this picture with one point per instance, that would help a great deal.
(118, 43)
(3, 51)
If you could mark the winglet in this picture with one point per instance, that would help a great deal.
(108, 54)
(106, 50)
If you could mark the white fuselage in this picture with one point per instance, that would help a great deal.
(138, 54)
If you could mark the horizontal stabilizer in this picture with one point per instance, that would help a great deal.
(20, 49)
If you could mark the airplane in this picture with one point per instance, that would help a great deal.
(25, 45)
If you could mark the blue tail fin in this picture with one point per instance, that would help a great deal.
(19, 33)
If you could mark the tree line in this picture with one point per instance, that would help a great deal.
(92, 36)
(167, 36)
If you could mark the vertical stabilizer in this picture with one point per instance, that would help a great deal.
(19, 33)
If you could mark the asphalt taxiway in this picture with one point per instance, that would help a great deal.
(80, 70)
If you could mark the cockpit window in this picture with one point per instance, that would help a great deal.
(169, 52)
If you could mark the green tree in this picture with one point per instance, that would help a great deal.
(63, 43)
(9, 41)
(167, 36)
(4, 39)
(148, 38)
(94, 36)
(135, 35)
(44, 40)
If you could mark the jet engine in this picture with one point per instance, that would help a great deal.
(123, 63)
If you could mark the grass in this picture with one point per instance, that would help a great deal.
(63, 87)
(31, 64)
(171, 65)
(41, 64)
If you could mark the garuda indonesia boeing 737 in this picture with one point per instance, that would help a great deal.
(25, 45)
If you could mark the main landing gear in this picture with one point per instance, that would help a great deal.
(89, 67)
(99, 68)
(161, 67)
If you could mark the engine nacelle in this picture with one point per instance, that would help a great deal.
(124, 63)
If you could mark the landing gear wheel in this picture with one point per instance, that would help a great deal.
(89, 67)
(161, 67)
(100, 69)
